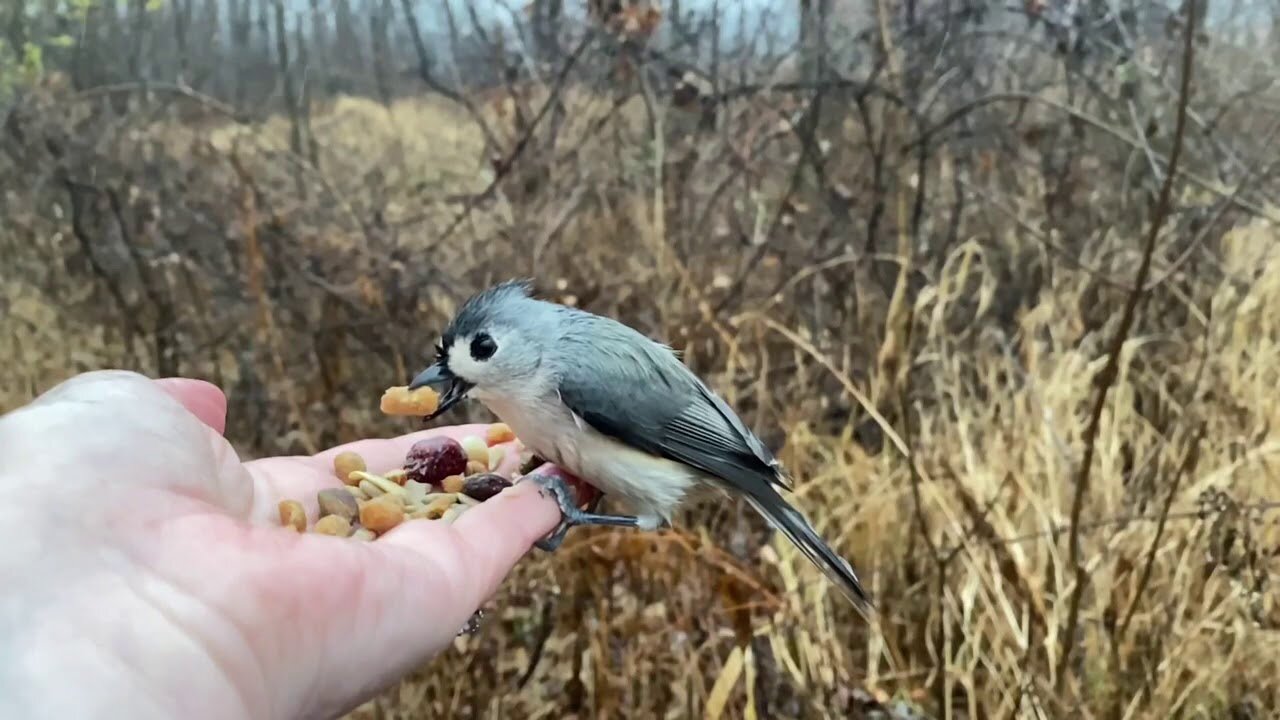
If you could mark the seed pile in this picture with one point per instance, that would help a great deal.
(440, 479)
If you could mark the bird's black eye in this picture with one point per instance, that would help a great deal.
(483, 347)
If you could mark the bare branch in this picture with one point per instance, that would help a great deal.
(1107, 377)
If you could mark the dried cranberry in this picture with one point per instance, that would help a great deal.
(432, 460)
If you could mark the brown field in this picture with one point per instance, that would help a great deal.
(932, 392)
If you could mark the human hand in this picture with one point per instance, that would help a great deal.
(145, 572)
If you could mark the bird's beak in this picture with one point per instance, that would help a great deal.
(437, 376)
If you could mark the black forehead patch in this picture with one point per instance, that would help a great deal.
(481, 308)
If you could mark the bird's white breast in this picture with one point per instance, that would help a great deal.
(651, 485)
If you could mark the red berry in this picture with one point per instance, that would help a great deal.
(432, 460)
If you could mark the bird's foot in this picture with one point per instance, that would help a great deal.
(571, 515)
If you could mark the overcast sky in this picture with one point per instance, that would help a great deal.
(782, 14)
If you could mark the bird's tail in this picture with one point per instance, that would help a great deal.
(784, 517)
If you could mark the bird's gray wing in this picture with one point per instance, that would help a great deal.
(641, 394)
(632, 389)
(740, 431)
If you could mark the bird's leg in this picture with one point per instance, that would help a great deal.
(571, 515)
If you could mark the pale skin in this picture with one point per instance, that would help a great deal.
(145, 573)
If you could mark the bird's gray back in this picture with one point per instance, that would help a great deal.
(629, 387)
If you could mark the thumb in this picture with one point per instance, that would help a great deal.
(200, 398)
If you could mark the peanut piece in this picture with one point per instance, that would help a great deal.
(453, 483)
(400, 400)
(499, 433)
(334, 525)
(346, 463)
(381, 515)
(292, 515)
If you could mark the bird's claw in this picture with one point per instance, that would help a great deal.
(473, 624)
(552, 542)
(570, 514)
(555, 485)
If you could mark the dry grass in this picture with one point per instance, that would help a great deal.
(656, 622)
(962, 545)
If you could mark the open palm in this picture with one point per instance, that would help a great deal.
(155, 580)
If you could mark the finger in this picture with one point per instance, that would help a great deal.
(95, 386)
(131, 431)
(386, 607)
(491, 537)
(417, 584)
(203, 399)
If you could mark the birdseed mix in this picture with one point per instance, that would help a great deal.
(440, 479)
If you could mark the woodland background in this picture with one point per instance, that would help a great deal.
(1000, 282)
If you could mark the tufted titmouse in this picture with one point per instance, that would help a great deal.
(617, 409)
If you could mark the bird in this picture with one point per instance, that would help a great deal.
(617, 410)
